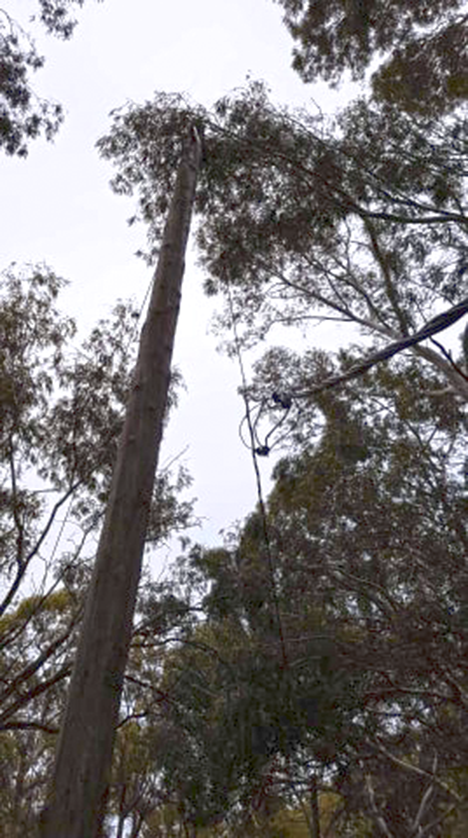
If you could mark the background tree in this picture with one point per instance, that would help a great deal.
(420, 48)
(61, 407)
(369, 548)
(23, 115)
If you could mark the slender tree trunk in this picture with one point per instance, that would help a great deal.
(314, 806)
(76, 802)
(122, 812)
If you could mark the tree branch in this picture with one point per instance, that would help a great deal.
(437, 324)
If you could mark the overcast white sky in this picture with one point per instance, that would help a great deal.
(56, 206)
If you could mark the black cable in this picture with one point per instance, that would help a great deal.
(261, 503)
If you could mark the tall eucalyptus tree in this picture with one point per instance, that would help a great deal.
(84, 751)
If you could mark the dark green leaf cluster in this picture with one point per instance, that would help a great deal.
(369, 572)
(435, 65)
(57, 18)
(147, 142)
(362, 220)
(24, 116)
(44, 385)
(61, 412)
(421, 45)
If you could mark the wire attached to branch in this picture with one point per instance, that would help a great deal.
(255, 454)
(263, 447)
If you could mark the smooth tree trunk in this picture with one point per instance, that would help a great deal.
(76, 803)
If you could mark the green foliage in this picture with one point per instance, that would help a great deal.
(23, 761)
(36, 643)
(21, 117)
(56, 16)
(24, 116)
(370, 579)
(80, 395)
(61, 412)
(324, 647)
(434, 66)
(300, 220)
(421, 46)
(360, 220)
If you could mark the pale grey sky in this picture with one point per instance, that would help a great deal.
(56, 206)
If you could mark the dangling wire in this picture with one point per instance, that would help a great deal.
(263, 447)
(255, 454)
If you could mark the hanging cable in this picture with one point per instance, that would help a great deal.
(263, 447)
(263, 517)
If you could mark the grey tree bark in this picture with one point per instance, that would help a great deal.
(76, 803)
(314, 807)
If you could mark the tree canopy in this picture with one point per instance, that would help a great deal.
(294, 228)
(419, 47)
(369, 575)
(23, 115)
(320, 666)
(307, 675)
